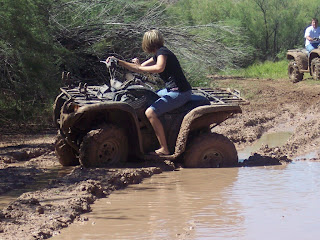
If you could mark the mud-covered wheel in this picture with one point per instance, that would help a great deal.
(104, 147)
(315, 68)
(211, 150)
(293, 72)
(65, 153)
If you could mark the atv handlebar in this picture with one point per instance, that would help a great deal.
(111, 62)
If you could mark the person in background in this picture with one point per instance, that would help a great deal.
(312, 35)
(177, 89)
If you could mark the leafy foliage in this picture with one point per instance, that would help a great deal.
(274, 25)
(26, 51)
(271, 26)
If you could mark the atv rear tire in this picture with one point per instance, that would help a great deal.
(211, 150)
(65, 153)
(315, 68)
(293, 72)
(104, 147)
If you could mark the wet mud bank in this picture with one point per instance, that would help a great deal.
(41, 214)
(274, 106)
(65, 195)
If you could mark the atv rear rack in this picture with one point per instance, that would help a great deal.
(223, 96)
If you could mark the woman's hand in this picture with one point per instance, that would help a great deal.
(111, 61)
(136, 61)
(112, 58)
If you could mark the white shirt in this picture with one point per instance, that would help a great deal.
(313, 33)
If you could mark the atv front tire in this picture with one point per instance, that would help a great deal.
(104, 147)
(293, 72)
(65, 153)
(211, 150)
(315, 68)
(60, 100)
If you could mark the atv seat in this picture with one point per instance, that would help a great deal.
(195, 101)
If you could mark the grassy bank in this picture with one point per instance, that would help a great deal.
(268, 69)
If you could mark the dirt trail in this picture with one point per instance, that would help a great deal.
(276, 105)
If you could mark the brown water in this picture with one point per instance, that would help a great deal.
(275, 202)
(276, 139)
(41, 181)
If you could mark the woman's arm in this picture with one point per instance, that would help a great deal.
(148, 66)
(148, 62)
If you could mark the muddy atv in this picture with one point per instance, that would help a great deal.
(104, 126)
(301, 63)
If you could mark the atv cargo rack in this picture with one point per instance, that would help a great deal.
(220, 96)
(217, 96)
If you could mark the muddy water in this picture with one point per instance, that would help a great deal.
(272, 140)
(275, 202)
(41, 181)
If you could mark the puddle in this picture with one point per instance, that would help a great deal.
(15, 141)
(277, 139)
(41, 181)
(274, 202)
(308, 156)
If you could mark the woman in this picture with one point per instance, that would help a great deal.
(177, 89)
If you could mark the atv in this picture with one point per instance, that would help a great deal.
(301, 62)
(105, 126)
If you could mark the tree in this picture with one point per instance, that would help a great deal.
(26, 55)
(274, 25)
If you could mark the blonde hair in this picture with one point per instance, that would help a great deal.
(152, 40)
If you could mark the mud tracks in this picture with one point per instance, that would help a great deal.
(41, 214)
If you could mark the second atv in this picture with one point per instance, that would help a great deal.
(301, 62)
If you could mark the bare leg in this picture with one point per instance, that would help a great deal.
(159, 131)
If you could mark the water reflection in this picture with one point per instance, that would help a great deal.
(275, 202)
(280, 204)
(167, 206)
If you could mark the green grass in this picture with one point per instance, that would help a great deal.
(268, 69)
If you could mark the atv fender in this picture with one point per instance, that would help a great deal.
(118, 113)
(300, 57)
(200, 118)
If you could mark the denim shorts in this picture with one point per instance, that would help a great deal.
(312, 46)
(169, 100)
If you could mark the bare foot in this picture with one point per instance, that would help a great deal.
(162, 151)
(159, 152)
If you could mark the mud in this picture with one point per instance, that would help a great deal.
(275, 105)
